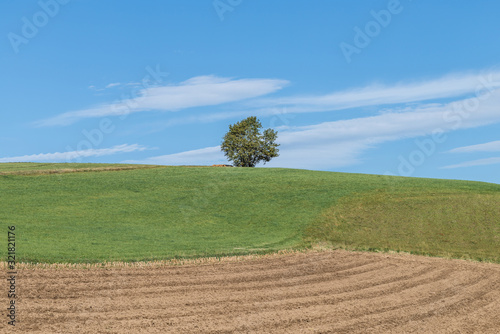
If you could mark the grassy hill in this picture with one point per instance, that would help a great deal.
(99, 212)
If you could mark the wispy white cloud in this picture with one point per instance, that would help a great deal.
(195, 92)
(108, 86)
(320, 156)
(341, 143)
(493, 146)
(203, 156)
(114, 84)
(450, 86)
(456, 86)
(479, 162)
(68, 156)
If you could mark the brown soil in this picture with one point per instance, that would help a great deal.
(312, 292)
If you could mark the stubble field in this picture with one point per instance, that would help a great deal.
(307, 292)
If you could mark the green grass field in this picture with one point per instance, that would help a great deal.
(107, 213)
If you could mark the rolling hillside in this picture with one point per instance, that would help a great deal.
(99, 212)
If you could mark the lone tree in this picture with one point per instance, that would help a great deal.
(245, 146)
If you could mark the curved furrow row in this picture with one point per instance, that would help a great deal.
(318, 292)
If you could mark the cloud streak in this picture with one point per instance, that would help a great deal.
(450, 86)
(203, 156)
(68, 156)
(195, 92)
(493, 146)
(479, 162)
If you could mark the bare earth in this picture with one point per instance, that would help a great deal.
(312, 292)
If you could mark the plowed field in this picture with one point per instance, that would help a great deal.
(312, 292)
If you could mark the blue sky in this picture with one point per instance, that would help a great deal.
(408, 88)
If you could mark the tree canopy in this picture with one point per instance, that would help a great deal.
(246, 146)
